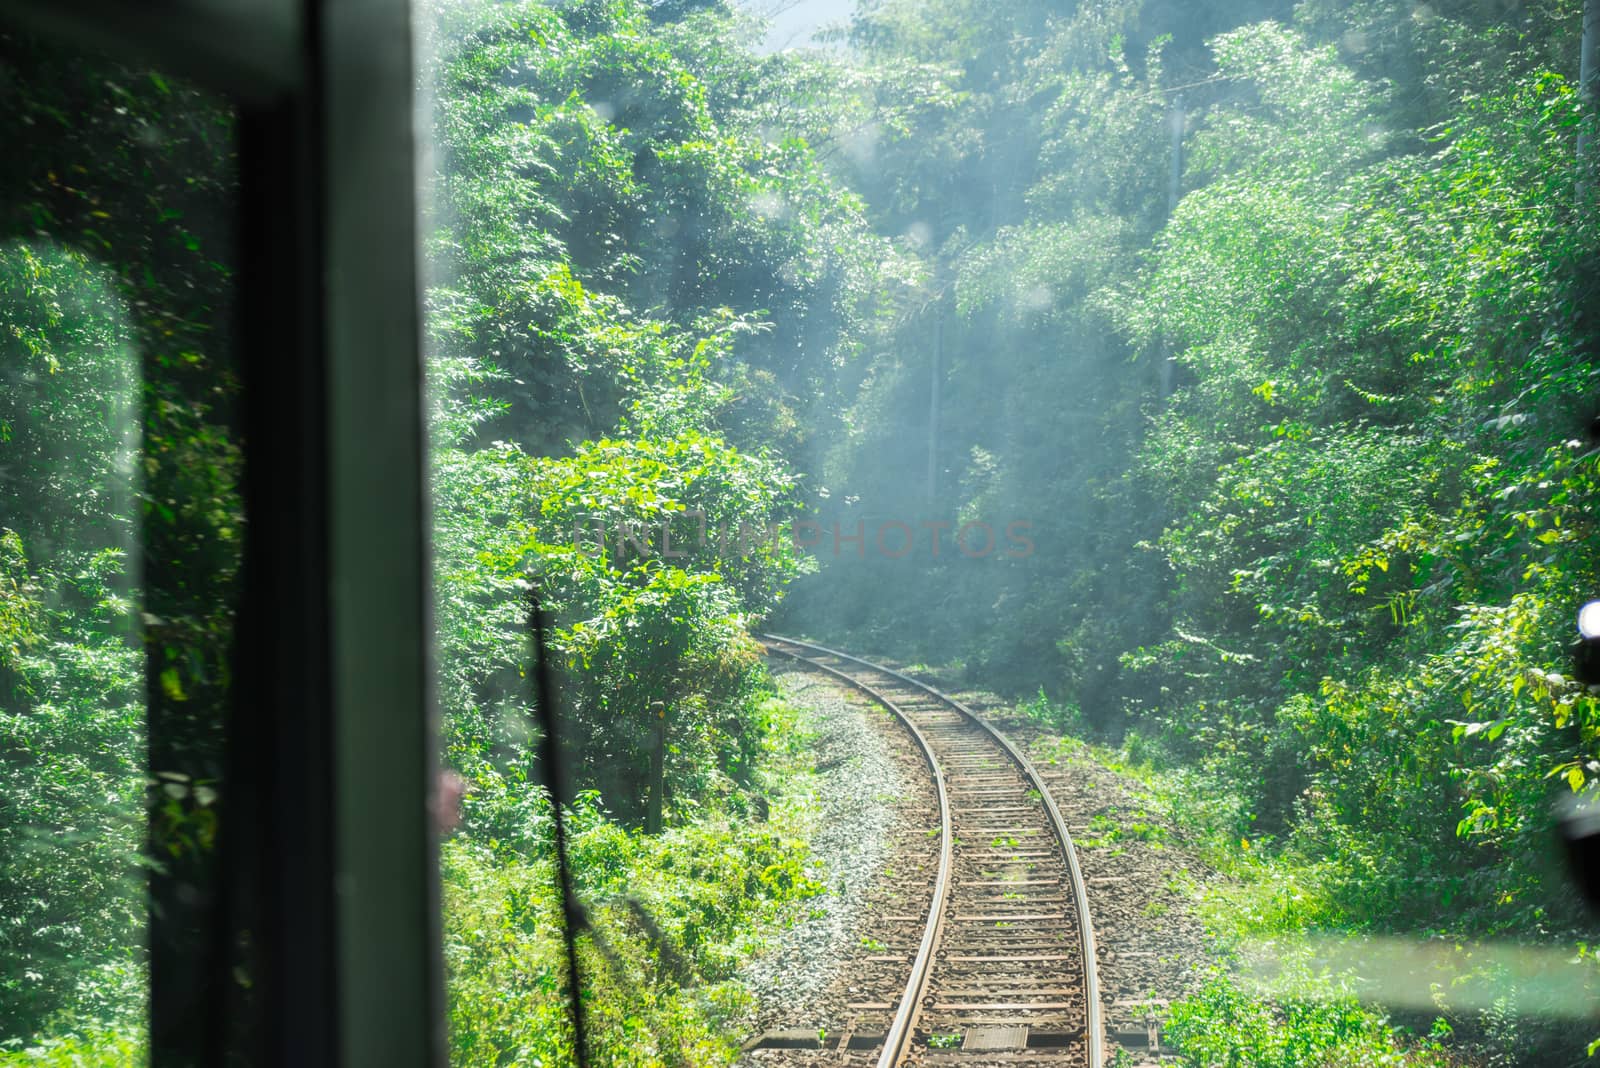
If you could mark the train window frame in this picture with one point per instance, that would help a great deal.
(328, 857)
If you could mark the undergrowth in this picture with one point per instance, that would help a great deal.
(1315, 1025)
(672, 917)
(1298, 1016)
(118, 1048)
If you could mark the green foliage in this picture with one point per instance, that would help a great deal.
(636, 626)
(671, 913)
(1326, 572)
(639, 291)
(98, 1049)
(596, 195)
(72, 712)
(1058, 717)
(1374, 588)
(67, 389)
(1022, 166)
(71, 818)
(585, 441)
(1224, 1026)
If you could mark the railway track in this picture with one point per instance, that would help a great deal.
(1003, 971)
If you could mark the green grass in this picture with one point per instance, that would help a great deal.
(1313, 1025)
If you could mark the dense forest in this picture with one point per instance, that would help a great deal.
(1215, 378)
(1306, 458)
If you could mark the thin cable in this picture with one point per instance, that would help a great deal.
(1215, 78)
(573, 917)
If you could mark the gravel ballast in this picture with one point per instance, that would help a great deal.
(856, 770)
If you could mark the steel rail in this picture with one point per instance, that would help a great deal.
(903, 1028)
(1094, 1024)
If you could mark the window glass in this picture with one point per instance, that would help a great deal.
(119, 534)
(1205, 390)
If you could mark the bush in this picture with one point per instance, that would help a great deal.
(671, 915)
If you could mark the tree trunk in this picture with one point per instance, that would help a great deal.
(658, 769)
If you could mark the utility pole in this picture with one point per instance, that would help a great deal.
(1175, 176)
(1177, 122)
(933, 400)
(1587, 88)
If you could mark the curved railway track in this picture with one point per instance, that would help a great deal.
(1004, 970)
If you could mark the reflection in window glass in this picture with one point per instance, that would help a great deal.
(1208, 384)
(119, 528)
(72, 880)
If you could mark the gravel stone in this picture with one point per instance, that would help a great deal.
(855, 771)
